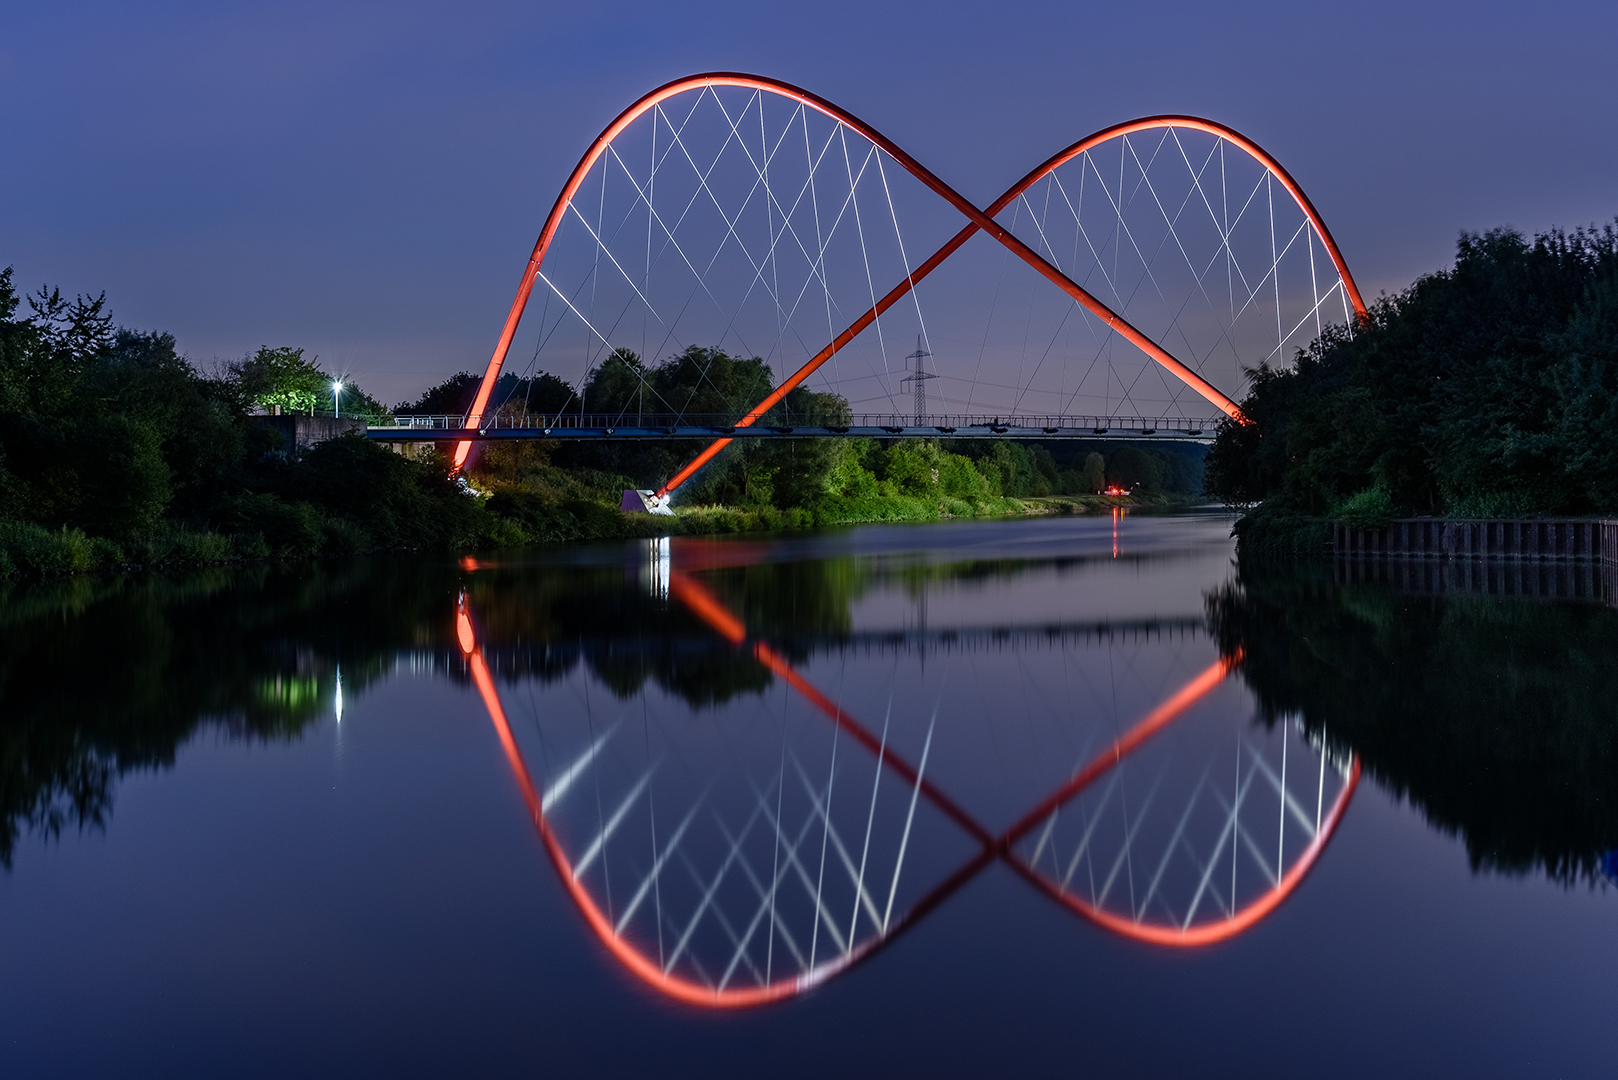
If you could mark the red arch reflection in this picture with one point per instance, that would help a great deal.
(990, 847)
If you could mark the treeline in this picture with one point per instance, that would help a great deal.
(1488, 389)
(115, 450)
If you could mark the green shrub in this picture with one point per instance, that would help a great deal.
(35, 551)
(288, 528)
(249, 547)
(1278, 534)
(1369, 509)
(341, 535)
(1496, 504)
(172, 545)
(200, 548)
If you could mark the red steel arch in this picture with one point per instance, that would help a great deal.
(977, 220)
(1011, 194)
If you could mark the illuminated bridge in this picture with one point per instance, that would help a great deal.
(628, 428)
(1121, 288)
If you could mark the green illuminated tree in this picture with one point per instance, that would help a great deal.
(272, 377)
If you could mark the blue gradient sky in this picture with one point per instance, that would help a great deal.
(366, 180)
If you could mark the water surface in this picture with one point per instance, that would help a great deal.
(1075, 794)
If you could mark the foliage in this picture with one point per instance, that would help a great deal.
(115, 451)
(542, 394)
(1370, 508)
(282, 378)
(1094, 472)
(697, 381)
(1489, 387)
(104, 430)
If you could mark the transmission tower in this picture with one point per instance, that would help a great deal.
(919, 376)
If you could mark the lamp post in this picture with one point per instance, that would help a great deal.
(336, 408)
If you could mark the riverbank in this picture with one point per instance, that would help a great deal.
(29, 551)
(118, 455)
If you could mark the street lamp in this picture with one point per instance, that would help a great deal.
(336, 389)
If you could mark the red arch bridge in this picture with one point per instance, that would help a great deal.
(735, 866)
(1121, 288)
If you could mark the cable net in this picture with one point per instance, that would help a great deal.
(1189, 237)
(730, 219)
(1141, 274)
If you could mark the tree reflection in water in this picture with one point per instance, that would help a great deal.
(102, 677)
(1493, 716)
(1497, 717)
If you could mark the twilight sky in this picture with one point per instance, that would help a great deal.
(366, 180)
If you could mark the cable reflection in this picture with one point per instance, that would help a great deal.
(817, 896)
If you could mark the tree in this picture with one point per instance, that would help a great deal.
(1133, 467)
(543, 394)
(272, 377)
(1480, 389)
(618, 385)
(1095, 472)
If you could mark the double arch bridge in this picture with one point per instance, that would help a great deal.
(1141, 271)
(735, 865)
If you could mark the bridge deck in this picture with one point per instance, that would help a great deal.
(600, 427)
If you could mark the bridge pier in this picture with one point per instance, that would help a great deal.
(300, 432)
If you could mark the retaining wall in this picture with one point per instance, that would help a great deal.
(299, 432)
(1544, 538)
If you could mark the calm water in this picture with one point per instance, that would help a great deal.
(1073, 795)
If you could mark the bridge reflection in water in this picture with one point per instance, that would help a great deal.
(743, 854)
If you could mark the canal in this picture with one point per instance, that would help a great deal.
(1076, 795)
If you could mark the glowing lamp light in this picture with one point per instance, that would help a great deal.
(336, 389)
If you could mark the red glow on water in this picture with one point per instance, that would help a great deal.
(696, 597)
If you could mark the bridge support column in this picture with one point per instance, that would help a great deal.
(645, 502)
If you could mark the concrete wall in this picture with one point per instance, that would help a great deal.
(299, 433)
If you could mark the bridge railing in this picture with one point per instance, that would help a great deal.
(944, 424)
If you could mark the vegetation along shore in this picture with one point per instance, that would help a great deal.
(117, 452)
(1489, 389)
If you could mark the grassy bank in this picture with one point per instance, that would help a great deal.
(34, 551)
